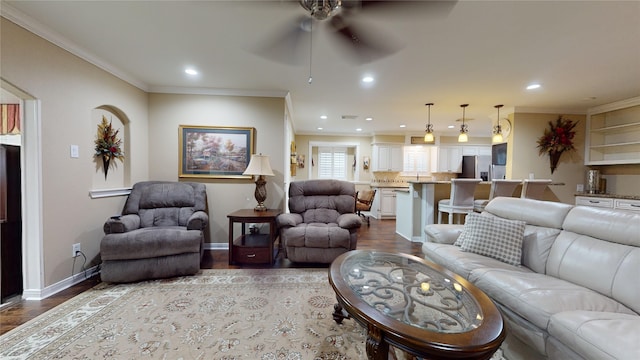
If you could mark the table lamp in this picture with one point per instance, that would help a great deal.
(259, 165)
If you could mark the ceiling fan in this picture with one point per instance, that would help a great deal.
(343, 20)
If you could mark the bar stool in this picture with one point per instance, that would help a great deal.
(534, 189)
(460, 200)
(499, 187)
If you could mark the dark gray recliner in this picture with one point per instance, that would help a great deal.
(159, 234)
(321, 223)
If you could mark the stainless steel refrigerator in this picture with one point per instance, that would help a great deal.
(476, 167)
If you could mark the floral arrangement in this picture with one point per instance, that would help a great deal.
(557, 138)
(108, 146)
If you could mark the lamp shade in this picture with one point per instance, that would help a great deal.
(259, 165)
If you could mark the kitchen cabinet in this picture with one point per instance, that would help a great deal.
(450, 159)
(384, 204)
(479, 150)
(609, 202)
(613, 133)
(387, 157)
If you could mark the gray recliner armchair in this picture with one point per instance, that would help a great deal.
(159, 234)
(321, 223)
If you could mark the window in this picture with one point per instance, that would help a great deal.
(332, 163)
(416, 159)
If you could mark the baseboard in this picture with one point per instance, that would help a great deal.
(216, 246)
(39, 294)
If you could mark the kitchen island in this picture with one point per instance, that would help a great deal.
(418, 206)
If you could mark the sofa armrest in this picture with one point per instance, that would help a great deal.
(349, 221)
(198, 221)
(443, 233)
(288, 220)
(121, 224)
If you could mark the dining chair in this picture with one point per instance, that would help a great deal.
(460, 200)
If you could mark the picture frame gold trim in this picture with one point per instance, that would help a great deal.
(214, 152)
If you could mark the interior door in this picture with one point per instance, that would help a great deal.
(10, 223)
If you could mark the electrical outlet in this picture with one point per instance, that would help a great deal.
(580, 187)
(76, 249)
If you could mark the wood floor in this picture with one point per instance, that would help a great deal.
(379, 236)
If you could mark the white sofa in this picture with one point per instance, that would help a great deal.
(576, 294)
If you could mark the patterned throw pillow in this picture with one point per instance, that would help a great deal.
(494, 237)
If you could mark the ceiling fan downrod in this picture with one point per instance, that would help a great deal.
(321, 9)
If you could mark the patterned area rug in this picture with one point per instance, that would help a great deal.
(218, 314)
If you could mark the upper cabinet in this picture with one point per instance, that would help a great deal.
(450, 159)
(387, 157)
(613, 133)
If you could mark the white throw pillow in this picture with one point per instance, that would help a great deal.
(494, 237)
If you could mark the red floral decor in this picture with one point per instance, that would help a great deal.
(557, 139)
(108, 146)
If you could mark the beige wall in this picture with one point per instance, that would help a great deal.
(524, 158)
(69, 89)
(266, 115)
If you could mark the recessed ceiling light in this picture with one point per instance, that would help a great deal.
(359, 129)
(451, 127)
(403, 126)
(369, 118)
(533, 86)
(323, 117)
(191, 71)
(319, 128)
(367, 79)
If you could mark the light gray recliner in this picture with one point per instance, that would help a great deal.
(322, 223)
(159, 234)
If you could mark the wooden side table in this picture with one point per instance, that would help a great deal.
(249, 248)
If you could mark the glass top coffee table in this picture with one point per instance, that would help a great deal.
(414, 305)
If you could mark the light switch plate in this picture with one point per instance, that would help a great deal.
(75, 151)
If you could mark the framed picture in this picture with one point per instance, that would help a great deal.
(215, 152)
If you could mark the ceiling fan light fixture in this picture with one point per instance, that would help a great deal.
(497, 130)
(464, 129)
(428, 136)
(321, 9)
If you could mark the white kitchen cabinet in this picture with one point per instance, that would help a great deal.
(609, 202)
(450, 159)
(384, 204)
(387, 157)
(613, 133)
(476, 150)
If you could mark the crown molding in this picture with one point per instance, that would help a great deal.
(23, 20)
(216, 91)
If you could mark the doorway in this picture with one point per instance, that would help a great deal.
(10, 223)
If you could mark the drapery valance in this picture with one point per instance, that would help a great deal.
(9, 119)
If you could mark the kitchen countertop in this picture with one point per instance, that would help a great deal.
(616, 196)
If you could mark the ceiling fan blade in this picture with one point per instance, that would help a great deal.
(363, 45)
(287, 45)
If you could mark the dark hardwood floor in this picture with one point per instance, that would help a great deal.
(379, 236)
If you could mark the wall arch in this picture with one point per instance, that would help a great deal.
(119, 175)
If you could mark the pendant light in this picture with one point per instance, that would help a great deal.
(428, 135)
(463, 137)
(497, 130)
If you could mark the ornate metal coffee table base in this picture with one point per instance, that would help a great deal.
(377, 348)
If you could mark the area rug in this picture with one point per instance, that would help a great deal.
(218, 314)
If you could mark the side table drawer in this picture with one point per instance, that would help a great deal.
(624, 204)
(595, 202)
(251, 255)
